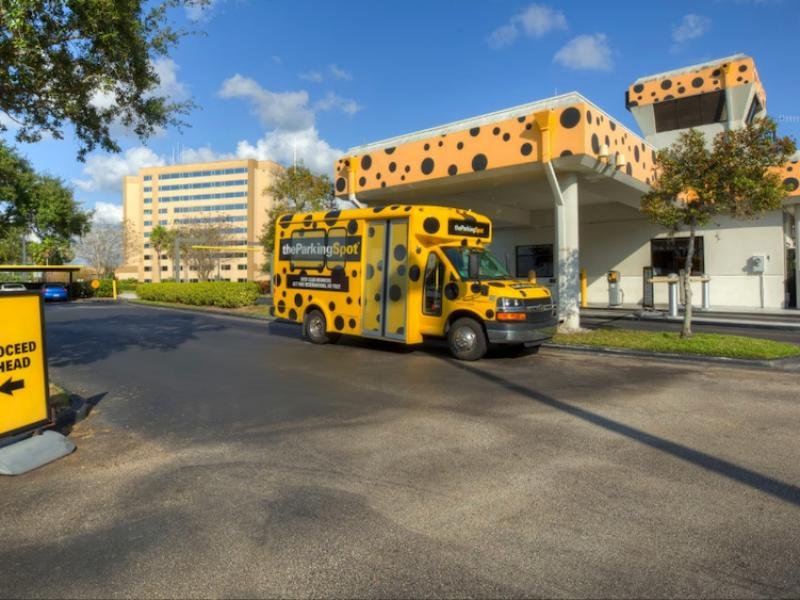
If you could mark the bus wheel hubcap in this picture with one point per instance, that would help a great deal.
(315, 327)
(464, 339)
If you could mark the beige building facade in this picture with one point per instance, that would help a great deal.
(231, 194)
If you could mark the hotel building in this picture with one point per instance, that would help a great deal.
(232, 193)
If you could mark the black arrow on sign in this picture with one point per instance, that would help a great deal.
(9, 386)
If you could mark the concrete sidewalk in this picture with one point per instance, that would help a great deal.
(771, 319)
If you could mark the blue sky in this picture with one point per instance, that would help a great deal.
(269, 77)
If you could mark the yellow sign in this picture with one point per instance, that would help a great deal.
(24, 402)
(95, 284)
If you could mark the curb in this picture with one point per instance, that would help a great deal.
(194, 311)
(699, 320)
(791, 364)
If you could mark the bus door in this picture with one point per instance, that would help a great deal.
(385, 294)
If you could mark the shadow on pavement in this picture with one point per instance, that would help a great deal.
(769, 485)
(84, 341)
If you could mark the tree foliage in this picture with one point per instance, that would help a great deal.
(58, 57)
(161, 240)
(38, 204)
(295, 190)
(731, 176)
(104, 246)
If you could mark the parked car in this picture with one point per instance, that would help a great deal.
(55, 291)
(12, 287)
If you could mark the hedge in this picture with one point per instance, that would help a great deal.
(225, 294)
(83, 289)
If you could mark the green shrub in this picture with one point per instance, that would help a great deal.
(225, 294)
(127, 285)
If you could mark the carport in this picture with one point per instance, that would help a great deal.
(562, 153)
(70, 270)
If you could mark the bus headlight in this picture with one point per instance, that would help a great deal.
(509, 303)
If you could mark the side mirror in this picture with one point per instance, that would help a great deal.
(474, 266)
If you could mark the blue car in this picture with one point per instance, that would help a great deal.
(55, 291)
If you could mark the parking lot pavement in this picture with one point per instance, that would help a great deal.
(229, 458)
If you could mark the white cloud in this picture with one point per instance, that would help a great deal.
(200, 10)
(169, 85)
(106, 212)
(691, 27)
(586, 52)
(314, 76)
(104, 172)
(340, 73)
(283, 146)
(333, 101)
(284, 110)
(535, 21)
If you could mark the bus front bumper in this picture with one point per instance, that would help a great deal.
(520, 333)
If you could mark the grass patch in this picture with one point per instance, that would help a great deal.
(59, 398)
(260, 311)
(705, 344)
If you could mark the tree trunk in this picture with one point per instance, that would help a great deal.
(686, 330)
(157, 274)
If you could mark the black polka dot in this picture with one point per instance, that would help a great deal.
(407, 168)
(790, 183)
(742, 68)
(298, 300)
(506, 137)
(400, 252)
(395, 293)
(528, 125)
(392, 167)
(474, 131)
(595, 144)
(525, 149)
(389, 150)
(427, 147)
(460, 145)
(413, 273)
(281, 306)
(589, 117)
(377, 175)
(309, 297)
(370, 271)
(441, 143)
(697, 82)
(716, 73)
(452, 170)
(612, 125)
(496, 130)
(401, 270)
(666, 84)
(570, 117)
(332, 216)
(338, 322)
(607, 140)
(521, 119)
(293, 315)
(379, 265)
(566, 153)
(277, 279)
(400, 330)
(668, 97)
(362, 181)
(629, 169)
(348, 300)
(451, 291)
(371, 232)
(352, 323)
(352, 226)
(638, 88)
(681, 89)
(377, 297)
(341, 184)
(427, 166)
(366, 162)
(636, 153)
(431, 225)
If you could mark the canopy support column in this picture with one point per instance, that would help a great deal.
(565, 195)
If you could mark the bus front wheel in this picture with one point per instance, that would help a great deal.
(315, 328)
(467, 339)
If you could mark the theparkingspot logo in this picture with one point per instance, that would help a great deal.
(333, 248)
(467, 228)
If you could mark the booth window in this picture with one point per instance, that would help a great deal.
(755, 108)
(535, 257)
(336, 235)
(694, 111)
(668, 255)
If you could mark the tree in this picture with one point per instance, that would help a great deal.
(51, 251)
(732, 176)
(294, 190)
(103, 246)
(38, 204)
(161, 239)
(87, 62)
(206, 231)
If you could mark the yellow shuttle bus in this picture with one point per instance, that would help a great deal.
(402, 273)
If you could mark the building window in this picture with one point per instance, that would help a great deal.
(148, 177)
(147, 257)
(163, 221)
(241, 279)
(162, 211)
(148, 280)
(148, 211)
(210, 207)
(535, 257)
(241, 267)
(163, 257)
(188, 197)
(147, 189)
(203, 173)
(668, 255)
(225, 267)
(196, 186)
(148, 200)
(148, 223)
(148, 268)
(693, 111)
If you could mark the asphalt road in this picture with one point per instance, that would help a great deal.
(227, 457)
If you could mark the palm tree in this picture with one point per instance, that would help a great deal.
(160, 240)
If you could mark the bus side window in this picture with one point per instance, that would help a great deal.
(434, 280)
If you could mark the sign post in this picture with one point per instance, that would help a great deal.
(24, 389)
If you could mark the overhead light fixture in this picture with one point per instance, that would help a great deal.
(603, 151)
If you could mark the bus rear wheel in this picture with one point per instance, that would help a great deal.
(315, 328)
(467, 339)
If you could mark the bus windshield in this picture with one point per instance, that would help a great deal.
(490, 267)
